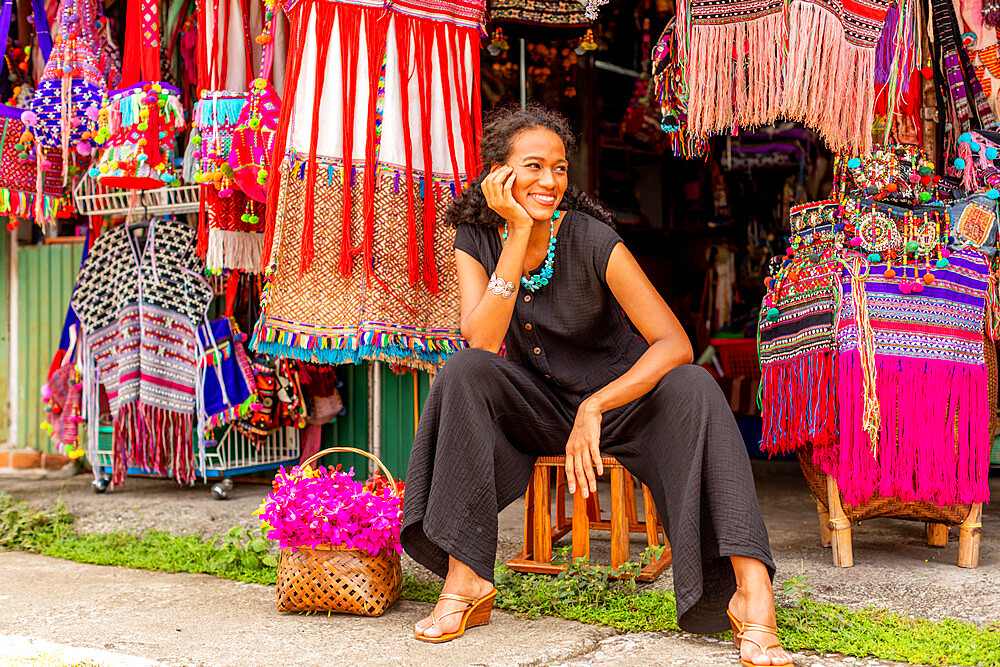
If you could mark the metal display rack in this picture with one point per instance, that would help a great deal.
(234, 454)
(92, 198)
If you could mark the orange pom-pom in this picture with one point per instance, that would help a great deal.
(929, 278)
(889, 274)
(263, 39)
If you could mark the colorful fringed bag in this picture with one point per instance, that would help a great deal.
(900, 173)
(796, 341)
(253, 140)
(912, 395)
(218, 111)
(19, 174)
(64, 108)
(138, 123)
(226, 379)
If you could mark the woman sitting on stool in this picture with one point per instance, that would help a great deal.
(541, 271)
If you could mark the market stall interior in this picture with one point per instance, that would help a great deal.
(217, 282)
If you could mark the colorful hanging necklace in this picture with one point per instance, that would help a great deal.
(532, 284)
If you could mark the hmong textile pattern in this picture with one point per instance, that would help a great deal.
(806, 315)
(330, 318)
(814, 216)
(216, 118)
(565, 13)
(943, 322)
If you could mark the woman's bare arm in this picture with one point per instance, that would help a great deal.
(668, 348)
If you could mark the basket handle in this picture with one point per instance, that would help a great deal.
(353, 450)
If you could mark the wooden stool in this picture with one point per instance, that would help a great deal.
(540, 533)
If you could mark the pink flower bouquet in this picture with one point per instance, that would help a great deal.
(309, 508)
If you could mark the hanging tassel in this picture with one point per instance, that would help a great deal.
(325, 15)
(404, 29)
(423, 42)
(299, 27)
(376, 26)
(350, 15)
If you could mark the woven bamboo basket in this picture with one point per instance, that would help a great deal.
(332, 578)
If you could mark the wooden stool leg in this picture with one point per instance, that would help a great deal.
(840, 526)
(594, 507)
(581, 526)
(937, 534)
(649, 518)
(631, 511)
(968, 537)
(529, 521)
(619, 522)
(542, 515)
(560, 498)
(824, 524)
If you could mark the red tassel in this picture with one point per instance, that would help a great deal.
(462, 97)
(442, 49)
(403, 30)
(298, 28)
(376, 26)
(422, 60)
(232, 285)
(201, 246)
(350, 15)
(477, 108)
(325, 14)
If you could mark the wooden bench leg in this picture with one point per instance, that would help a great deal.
(581, 526)
(937, 534)
(824, 524)
(561, 498)
(650, 518)
(619, 521)
(968, 537)
(631, 510)
(840, 526)
(542, 515)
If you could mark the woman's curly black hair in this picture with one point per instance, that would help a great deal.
(499, 134)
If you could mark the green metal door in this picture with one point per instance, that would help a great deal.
(402, 398)
(45, 278)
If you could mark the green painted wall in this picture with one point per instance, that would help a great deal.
(5, 283)
(351, 429)
(45, 278)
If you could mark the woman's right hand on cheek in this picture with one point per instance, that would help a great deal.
(497, 188)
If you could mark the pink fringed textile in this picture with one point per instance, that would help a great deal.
(749, 63)
(932, 441)
(800, 404)
(935, 419)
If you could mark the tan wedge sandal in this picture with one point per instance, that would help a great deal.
(740, 628)
(477, 613)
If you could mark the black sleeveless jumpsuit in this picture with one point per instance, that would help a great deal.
(488, 417)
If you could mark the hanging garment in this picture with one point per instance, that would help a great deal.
(358, 264)
(226, 379)
(929, 441)
(140, 298)
(749, 63)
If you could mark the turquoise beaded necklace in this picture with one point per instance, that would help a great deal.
(532, 284)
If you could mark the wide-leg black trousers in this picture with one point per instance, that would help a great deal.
(485, 421)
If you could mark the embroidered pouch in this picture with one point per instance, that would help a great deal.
(900, 173)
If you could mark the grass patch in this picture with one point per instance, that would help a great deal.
(584, 592)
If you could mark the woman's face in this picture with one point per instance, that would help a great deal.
(540, 170)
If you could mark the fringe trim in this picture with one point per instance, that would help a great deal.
(154, 440)
(799, 403)
(241, 411)
(934, 443)
(234, 250)
(739, 77)
(421, 349)
(17, 203)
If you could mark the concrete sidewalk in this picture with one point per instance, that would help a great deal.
(117, 616)
(195, 619)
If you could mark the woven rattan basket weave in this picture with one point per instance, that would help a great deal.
(330, 578)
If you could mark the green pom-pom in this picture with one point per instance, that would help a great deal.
(925, 196)
(772, 314)
(912, 246)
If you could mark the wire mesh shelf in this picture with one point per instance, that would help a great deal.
(92, 198)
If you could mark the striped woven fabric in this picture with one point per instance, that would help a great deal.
(930, 379)
(797, 360)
